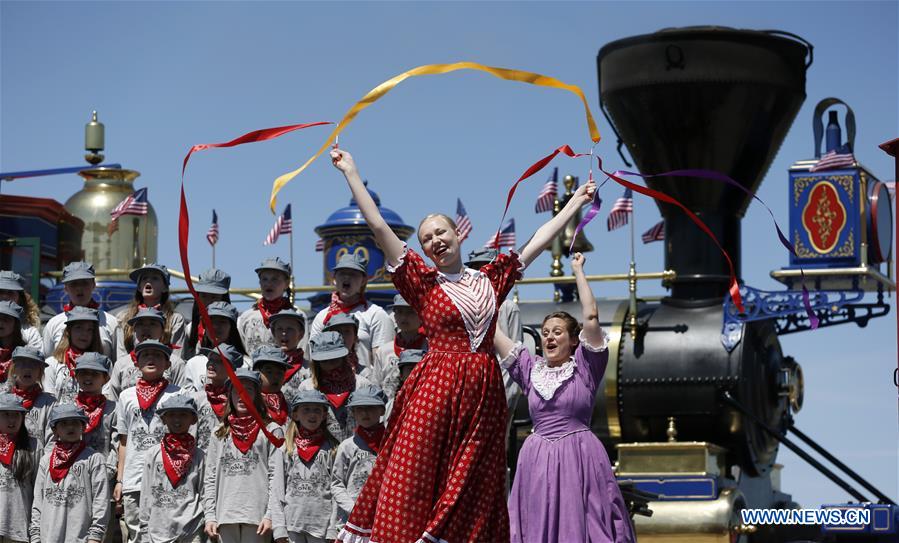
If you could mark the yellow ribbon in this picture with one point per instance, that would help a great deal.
(432, 69)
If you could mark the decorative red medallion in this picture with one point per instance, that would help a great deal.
(823, 216)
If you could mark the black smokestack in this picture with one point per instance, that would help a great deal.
(703, 97)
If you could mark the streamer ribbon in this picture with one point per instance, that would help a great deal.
(434, 69)
(184, 236)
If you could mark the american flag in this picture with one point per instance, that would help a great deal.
(463, 223)
(283, 225)
(842, 158)
(622, 209)
(548, 194)
(133, 204)
(504, 238)
(656, 233)
(319, 245)
(212, 235)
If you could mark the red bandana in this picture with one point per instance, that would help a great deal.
(337, 306)
(93, 408)
(268, 308)
(177, 453)
(7, 448)
(338, 384)
(148, 393)
(372, 436)
(308, 442)
(218, 398)
(91, 304)
(5, 363)
(28, 396)
(243, 431)
(133, 356)
(296, 363)
(419, 342)
(71, 354)
(276, 405)
(62, 458)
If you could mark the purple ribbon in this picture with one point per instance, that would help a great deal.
(594, 209)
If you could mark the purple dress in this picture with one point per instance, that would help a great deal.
(564, 488)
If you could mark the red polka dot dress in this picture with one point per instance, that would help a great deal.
(440, 474)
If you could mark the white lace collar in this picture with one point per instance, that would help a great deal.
(456, 277)
(546, 380)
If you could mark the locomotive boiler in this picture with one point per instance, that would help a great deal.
(694, 414)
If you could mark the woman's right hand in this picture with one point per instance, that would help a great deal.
(343, 161)
(577, 263)
(212, 529)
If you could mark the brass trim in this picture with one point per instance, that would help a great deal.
(867, 273)
(616, 332)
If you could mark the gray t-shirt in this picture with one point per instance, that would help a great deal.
(352, 466)
(236, 485)
(300, 498)
(341, 422)
(16, 498)
(55, 327)
(171, 514)
(76, 508)
(125, 374)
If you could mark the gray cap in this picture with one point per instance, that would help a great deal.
(274, 264)
(136, 274)
(232, 355)
(93, 361)
(367, 395)
(11, 402)
(354, 261)
(268, 353)
(287, 314)
(327, 346)
(10, 280)
(148, 313)
(66, 411)
(398, 301)
(178, 402)
(246, 374)
(410, 357)
(79, 313)
(480, 257)
(308, 396)
(213, 281)
(29, 353)
(78, 270)
(341, 318)
(11, 309)
(222, 309)
(148, 344)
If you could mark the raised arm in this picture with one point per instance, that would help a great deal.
(589, 313)
(386, 239)
(502, 343)
(544, 235)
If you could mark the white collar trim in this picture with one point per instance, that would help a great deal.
(546, 380)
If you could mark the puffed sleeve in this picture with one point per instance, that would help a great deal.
(413, 278)
(592, 360)
(503, 272)
(519, 363)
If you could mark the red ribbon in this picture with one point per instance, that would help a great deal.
(184, 236)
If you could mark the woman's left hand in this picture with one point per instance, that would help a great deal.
(577, 263)
(584, 193)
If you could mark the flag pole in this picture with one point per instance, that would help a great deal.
(292, 296)
(632, 279)
(213, 255)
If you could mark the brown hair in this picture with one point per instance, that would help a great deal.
(572, 326)
(293, 428)
(446, 218)
(17, 339)
(23, 466)
(225, 429)
(96, 345)
(30, 313)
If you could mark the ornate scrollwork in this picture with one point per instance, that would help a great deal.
(847, 249)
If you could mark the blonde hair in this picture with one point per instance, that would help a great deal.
(429, 216)
(30, 314)
(96, 345)
(293, 428)
(225, 429)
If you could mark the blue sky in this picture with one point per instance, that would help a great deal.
(165, 76)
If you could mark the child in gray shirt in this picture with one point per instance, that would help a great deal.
(19, 457)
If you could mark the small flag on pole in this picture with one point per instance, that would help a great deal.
(504, 238)
(283, 225)
(319, 245)
(621, 211)
(548, 193)
(834, 159)
(212, 235)
(133, 204)
(656, 233)
(463, 223)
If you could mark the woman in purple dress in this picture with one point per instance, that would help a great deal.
(564, 488)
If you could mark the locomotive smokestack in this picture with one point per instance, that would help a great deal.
(710, 98)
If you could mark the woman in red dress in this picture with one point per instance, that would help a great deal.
(440, 474)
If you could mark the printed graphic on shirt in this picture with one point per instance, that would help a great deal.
(207, 423)
(314, 485)
(239, 464)
(7, 481)
(145, 438)
(59, 496)
(165, 497)
(364, 461)
(66, 389)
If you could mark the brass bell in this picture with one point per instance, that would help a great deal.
(581, 243)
